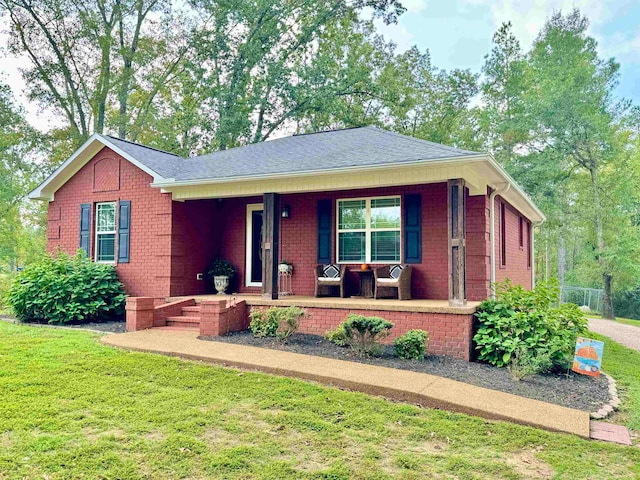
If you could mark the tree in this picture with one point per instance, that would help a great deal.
(574, 115)
(18, 174)
(89, 57)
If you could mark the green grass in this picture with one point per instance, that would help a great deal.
(72, 408)
(623, 364)
(628, 321)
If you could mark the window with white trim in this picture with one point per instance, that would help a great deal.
(369, 230)
(105, 232)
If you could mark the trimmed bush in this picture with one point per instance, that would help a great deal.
(532, 320)
(276, 322)
(364, 332)
(338, 336)
(412, 345)
(64, 289)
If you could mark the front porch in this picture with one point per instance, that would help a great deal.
(450, 327)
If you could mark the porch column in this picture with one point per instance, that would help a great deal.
(457, 241)
(270, 236)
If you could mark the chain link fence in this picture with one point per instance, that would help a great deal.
(590, 297)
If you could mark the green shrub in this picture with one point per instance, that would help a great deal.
(276, 322)
(65, 289)
(526, 362)
(338, 336)
(530, 319)
(364, 332)
(263, 324)
(5, 284)
(412, 345)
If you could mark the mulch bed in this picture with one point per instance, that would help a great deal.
(569, 390)
(109, 327)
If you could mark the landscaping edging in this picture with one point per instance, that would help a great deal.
(613, 404)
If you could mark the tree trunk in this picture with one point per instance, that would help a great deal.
(562, 259)
(607, 297)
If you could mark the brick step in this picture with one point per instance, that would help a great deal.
(187, 310)
(183, 327)
(183, 319)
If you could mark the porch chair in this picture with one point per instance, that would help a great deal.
(391, 277)
(328, 277)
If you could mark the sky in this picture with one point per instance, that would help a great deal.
(458, 35)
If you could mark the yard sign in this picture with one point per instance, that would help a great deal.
(588, 357)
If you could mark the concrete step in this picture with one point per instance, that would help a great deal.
(184, 319)
(187, 310)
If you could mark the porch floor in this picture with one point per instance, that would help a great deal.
(354, 303)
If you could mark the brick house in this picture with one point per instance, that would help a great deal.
(456, 216)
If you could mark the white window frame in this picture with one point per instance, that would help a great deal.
(114, 233)
(367, 230)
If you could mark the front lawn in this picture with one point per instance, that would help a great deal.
(72, 408)
(623, 364)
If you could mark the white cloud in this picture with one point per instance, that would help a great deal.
(414, 6)
(528, 16)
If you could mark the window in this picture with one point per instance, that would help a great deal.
(520, 232)
(503, 235)
(529, 244)
(369, 230)
(105, 232)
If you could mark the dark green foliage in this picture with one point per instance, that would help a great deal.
(627, 304)
(338, 336)
(412, 345)
(363, 332)
(221, 267)
(530, 319)
(65, 289)
(276, 322)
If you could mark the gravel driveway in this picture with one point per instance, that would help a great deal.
(627, 335)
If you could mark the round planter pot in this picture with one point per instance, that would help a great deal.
(221, 282)
(285, 268)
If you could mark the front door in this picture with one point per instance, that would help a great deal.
(254, 245)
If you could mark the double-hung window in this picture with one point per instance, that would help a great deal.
(106, 232)
(369, 230)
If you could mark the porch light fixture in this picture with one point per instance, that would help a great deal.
(285, 211)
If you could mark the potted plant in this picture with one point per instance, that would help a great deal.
(221, 271)
(285, 267)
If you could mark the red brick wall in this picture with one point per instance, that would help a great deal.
(196, 232)
(478, 248)
(149, 270)
(516, 268)
(449, 334)
(298, 241)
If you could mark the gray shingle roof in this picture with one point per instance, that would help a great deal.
(335, 149)
(164, 163)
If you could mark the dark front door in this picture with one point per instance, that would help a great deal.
(256, 246)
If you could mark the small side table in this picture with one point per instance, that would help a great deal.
(366, 282)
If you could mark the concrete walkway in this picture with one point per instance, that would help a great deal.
(626, 335)
(401, 385)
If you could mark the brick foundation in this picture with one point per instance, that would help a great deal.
(449, 333)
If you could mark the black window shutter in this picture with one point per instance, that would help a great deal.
(124, 227)
(85, 228)
(324, 231)
(413, 228)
